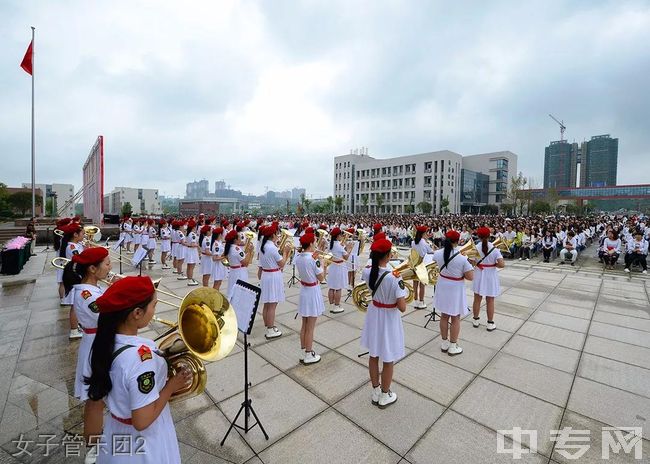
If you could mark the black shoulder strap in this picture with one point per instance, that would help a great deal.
(452, 257)
(381, 277)
(481, 260)
(118, 352)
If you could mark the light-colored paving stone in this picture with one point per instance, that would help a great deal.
(540, 352)
(620, 351)
(474, 358)
(616, 374)
(552, 334)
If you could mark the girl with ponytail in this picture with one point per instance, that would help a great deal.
(129, 377)
(70, 246)
(219, 271)
(486, 278)
(383, 333)
(337, 275)
(423, 248)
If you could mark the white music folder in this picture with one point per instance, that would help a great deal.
(245, 299)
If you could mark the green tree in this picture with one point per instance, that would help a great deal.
(552, 197)
(330, 204)
(444, 204)
(306, 203)
(424, 207)
(127, 209)
(22, 201)
(490, 209)
(338, 202)
(540, 207)
(364, 201)
(380, 202)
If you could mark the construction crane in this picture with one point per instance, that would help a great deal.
(562, 127)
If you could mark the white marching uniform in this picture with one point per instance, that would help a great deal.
(486, 276)
(206, 258)
(122, 232)
(236, 271)
(128, 229)
(180, 247)
(337, 273)
(137, 236)
(219, 271)
(423, 248)
(152, 238)
(87, 313)
(191, 248)
(70, 250)
(165, 239)
(450, 297)
(383, 333)
(138, 373)
(271, 282)
(310, 302)
(174, 243)
(144, 237)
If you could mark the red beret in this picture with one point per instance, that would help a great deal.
(381, 246)
(483, 232)
(224, 222)
(240, 225)
(350, 230)
(260, 221)
(150, 221)
(452, 235)
(304, 225)
(162, 222)
(92, 255)
(335, 232)
(269, 230)
(307, 239)
(377, 227)
(76, 218)
(309, 230)
(247, 221)
(63, 222)
(71, 228)
(422, 228)
(232, 235)
(323, 226)
(218, 230)
(205, 229)
(379, 236)
(191, 224)
(125, 294)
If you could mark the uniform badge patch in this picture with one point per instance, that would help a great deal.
(317, 263)
(241, 253)
(93, 307)
(86, 294)
(146, 382)
(145, 353)
(401, 284)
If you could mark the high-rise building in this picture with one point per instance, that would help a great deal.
(561, 164)
(220, 185)
(599, 162)
(197, 189)
(297, 192)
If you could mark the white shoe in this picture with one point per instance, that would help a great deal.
(91, 455)
(174, 271)
(272, 332)
(444, 346)
(152, 262)
(181, 277)
(336, 309)
(310, 358)
(421, 305)
(627, 270)
(376, 394)
(519, 259)
(386, 399)
(527, 259)
(476, 322)
(192, 283)
(454, 349)
(644, 272)
(74, 334)
(491, 326)
(166, 267)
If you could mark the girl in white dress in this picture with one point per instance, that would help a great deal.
(423, 248)
(486, 278)
(191, 248)
(175, 244)
(137, 235)
(128, 229)
(337, 271)
(383, 333)
(205, 239)
(351, 262)
(165, 243)
(151, 245)
(180, 250)
(129, 377)
(269, 273)
(70, 246)
(238, 259)
(219, 270)
(450, 298)
(310, 302)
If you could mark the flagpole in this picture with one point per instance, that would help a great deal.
(33, 144)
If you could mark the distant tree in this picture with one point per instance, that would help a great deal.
(306, 203)
(444, 204)
(540, 207)
(380, 203)
(338, 201)
(22, 201)
(490, 209)
(330, 204)
(424, 207)
(552, 198)
(4, 197)
(127, 209)
(364, 200)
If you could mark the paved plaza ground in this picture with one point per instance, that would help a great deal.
(571, 349)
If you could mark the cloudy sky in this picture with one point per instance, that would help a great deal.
(264, 94)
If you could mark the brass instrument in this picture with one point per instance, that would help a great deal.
(286, 238)
(363, 238)
(326, 258)
(502, 245)
(469, 250)
(362, 296)
(346, 236)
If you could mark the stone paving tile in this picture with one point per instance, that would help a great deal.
(616, 374)
(567, 310)
(495, 339)
(285, 352)
(622, 321)
(622, 310)
(330, 438)
(520, 312)
(333, 334)
(577, 301)
(609, 405)
(619, 351)
(622, 334)
(502, 408)
(477, 359)
(551, 334)
(558, 320)
(412, 409)
(543, 353)
(455, 439)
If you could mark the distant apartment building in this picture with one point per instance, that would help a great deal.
(197, 189)
(143, 201)
(296, 193)
(61, 196)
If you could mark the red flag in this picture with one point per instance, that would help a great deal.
(28, 60)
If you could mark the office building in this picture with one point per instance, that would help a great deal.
(61, 196)
(297, 193)
(219, 185)
(400, 184)
(197, 189)
(474, 191)
(143, 201)
(599, 162)
(560, 164)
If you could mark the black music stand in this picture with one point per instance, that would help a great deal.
(431, 316)
(294, 279)
(245, 318)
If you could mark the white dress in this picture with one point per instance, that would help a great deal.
(138, 374)
(486, 276)
(86, 310)
(137, 236)
(180, 247)
(165, 242)
(236, 271)
(337, 272)
(206, 258)
(219, 271)
(383, 333)
(271, 282)
(191, 252)
(174, 243)
(152, 238)
(70, 250)
(310, 302)
(449, 297)
(423, 248)
(128, 229)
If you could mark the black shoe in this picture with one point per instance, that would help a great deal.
(573, 264)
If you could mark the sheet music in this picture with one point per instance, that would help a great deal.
(118, 244)
(244, 300)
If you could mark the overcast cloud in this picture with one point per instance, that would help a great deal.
(266, 93)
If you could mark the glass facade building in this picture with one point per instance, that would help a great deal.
(599, 162)
(595, 193)
(560, 164)
(474, 190)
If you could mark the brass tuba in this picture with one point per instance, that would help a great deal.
(469, 250)
(502, 245)
(362, 296)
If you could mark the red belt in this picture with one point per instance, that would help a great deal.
(206, 254)
(271, 270)
(309, 284)
(452, 278)
(383, 305)
(236, 267)
(123, 421)
(482, 266)
(90, 331)
(338, 262)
